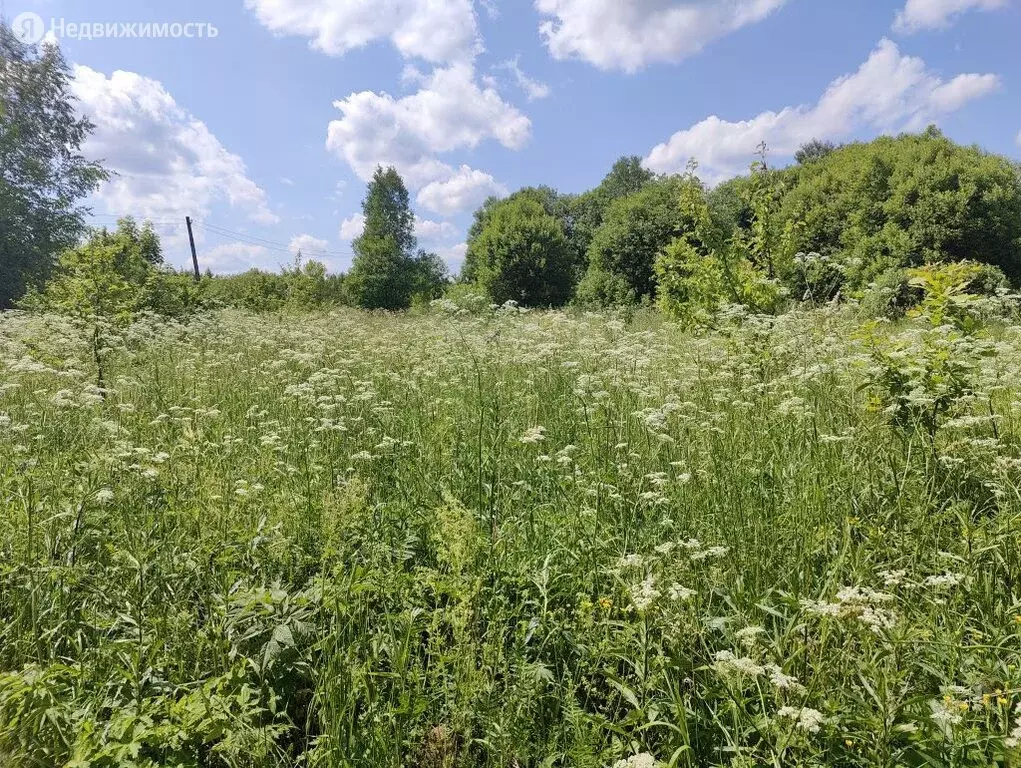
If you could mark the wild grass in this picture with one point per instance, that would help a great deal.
(513, 539)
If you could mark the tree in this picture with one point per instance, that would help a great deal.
(113, 276)
(584, 214)
(813, 150)
(711, 264)
(901, 202)
(429, 276)
(550, 200)
(43, 174)
(522, 254)
(382, 276)
(634, 230)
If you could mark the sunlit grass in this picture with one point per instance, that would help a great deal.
(531, 539)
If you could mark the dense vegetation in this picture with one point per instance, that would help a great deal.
(510, 539)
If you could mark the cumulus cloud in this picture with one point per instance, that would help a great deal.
(629, 34)
(237, 257)
(167, 163)
(890, 91)
(308, 245)
(453, 256)
(463, 189)
(450, 111)
(533, 89)
(432, 231)
(1018, 139)
(938, 14)
(439, 31)
(352, 227)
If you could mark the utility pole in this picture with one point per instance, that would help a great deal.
(194, 255)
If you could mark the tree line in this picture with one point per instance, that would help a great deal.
(854, 221)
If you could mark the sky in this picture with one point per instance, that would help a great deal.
(266, 133)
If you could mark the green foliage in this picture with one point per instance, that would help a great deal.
(303, 285)
(43, 176)
(634, 230)
(907, 201)
(707, 266)
(384, 274)
(522, 254)
(813, 150)
(583, 214)
(345, 539)
(951, 293)
(600, 289)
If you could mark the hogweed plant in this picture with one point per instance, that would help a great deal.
(496, 538)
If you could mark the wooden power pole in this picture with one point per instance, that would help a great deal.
(194, 254)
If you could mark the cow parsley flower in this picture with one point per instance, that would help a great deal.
(645, 594)
(808, 720)
(644, 760)
(726, 663)
(680, 594)
(534, 436)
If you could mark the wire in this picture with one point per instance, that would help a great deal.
(214, 228)
(217, 231)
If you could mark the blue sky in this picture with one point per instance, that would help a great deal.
(266, 133)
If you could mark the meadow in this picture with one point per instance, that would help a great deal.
(509, 539)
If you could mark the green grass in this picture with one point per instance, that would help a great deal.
(509, 540)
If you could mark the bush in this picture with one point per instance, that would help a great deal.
(522, 255)
(907, 201)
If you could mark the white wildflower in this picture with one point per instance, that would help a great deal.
(782, 681)
(808, 720)
(644, 595)
(748, 637)
(944, 580)
(644, 760)
(727, 663)
(893, 578)
(946, 712)
(630, 561)
(104, 496)
(533, 436)
(1014, 740)
(680, 594)
(711, 553)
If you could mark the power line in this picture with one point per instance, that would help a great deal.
(227, 236)
(269, 244)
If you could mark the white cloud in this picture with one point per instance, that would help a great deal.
(431, 231)
(237, 257)
(628, 34)
(533, 89)
(463, 190)
(352, 227)
(890, 91)
(309, 246)
(453, 256)
(938, 14)
(435, 30)
(1018, 139)
(449, 112)
(168, 164)
(286, 181)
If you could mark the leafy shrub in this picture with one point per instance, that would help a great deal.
(907, 201)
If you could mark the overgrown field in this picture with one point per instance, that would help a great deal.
(509, 540)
